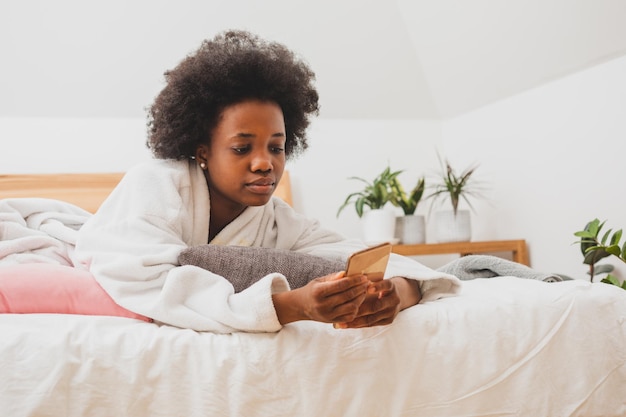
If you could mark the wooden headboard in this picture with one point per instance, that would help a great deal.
(86, 190)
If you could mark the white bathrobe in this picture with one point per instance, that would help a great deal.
(131, 245)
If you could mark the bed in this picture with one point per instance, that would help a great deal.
(506, 346)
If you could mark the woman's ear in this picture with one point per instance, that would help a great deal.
(202, 155)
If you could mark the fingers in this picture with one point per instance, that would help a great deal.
(333, 297)
(354, 302)
(348, 301)
(376, 310)
(352, 299)
(337, 283)
(381, 287)
(379, 319)
(338, 275)
(335, 276)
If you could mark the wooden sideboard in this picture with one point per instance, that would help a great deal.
(517, 248)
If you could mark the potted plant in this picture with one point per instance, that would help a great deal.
(378, 223)
(410, 228)
(454, 225)
(595, 248)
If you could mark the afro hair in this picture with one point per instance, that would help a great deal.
(232, 67)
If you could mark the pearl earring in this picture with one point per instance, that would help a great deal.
(202, 165)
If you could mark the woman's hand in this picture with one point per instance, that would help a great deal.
(385, 300)
(329, 299)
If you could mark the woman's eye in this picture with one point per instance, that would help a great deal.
(240, 150)
(277, 149)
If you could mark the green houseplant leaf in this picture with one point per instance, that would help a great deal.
(408, 202)
(375, 194)
(594, 249)
(455, 187)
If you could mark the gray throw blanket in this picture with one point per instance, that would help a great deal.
(486, 266)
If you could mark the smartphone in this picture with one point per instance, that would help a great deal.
(371, 262)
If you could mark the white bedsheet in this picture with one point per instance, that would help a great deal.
(504, 347)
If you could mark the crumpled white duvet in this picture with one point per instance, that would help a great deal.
(504, 347)
(39, 230)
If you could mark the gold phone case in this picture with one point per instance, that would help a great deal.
(371, 262)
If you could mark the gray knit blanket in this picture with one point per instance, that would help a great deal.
(487, 266)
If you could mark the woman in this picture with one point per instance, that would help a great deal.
(221, 130)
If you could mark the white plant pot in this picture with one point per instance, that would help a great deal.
(379, 226)
(411, 229)
(451, 228)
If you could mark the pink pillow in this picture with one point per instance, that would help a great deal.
(49, 288)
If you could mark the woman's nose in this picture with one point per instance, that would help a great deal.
(261, 161)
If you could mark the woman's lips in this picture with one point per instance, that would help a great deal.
(264, 186)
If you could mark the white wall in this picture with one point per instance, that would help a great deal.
(75, 58)
(554, 158)
(363, 148)
(41, 145)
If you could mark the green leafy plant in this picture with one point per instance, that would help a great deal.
(455, 186)
(407, 201)
(374, 195)
(594, 248)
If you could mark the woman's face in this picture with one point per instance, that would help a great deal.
(246, 155)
